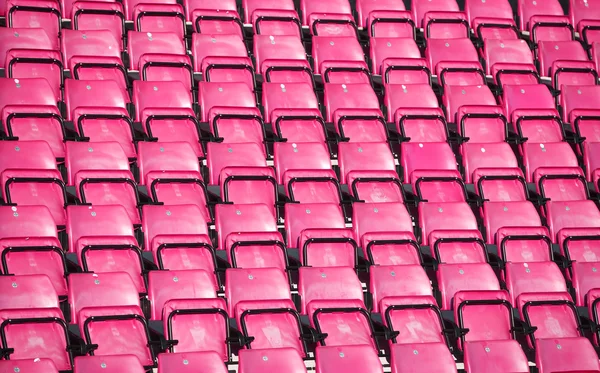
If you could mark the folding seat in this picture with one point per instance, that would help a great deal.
(504, 53)
(580, 10)
(250, 6)
(497, 215)
(370, 218)
(164, 286)
(514, 74)
(421, 7)
(25, 38)
(578, 246)
(357, 125)
(283, 53)
(536, 156)
(15, 156)
(302, 218)
(49, 329)
(375, 186)
(570, 72)
(413, 358)
(256, 250)
(93, 15)
(223, 158)
(455, 277)
(234, 219)
(439, 157)
(460, 73)
(95, 55)
(384, 48)
(212, 95)
(214, 21)
(460, 96)
(31, 63)
(579, 101)
(30, 292)
(445, 25)
(156, 17)
(482, 124)
(486, 156)
(248, 185)
(438, 186)
(222, 58)
(312, 186)
(327, 247)
(187, 362)
(167, 120)
(167, 67)
(275, 360)
(549, 52)
(571, 214)
(500, 184)
(369, 13)
(331, 53)
(524, 244)
(390, 282)
(84, 222)
(550, 28)
(566, 354)
(435, 216)
(350, 359)
(356, 157)
(186, 319)
(100, 117)
(443, 50)
(348, 96)
(140, 43)
(495, 357)
(28, 91)
(298, 125)
(498, 16)
(399, 97)
(236, 125)
(244, 285)
(537, 126)
(321, 286)
(535, 96)
(310, 7)
(405, 71)
(82, 157)
(333, 24)
(293, 157)
(278, 96)
(528, 8)
(28, 366)
(561, 184)
(276, 22)
(106, 364)
(34, 14)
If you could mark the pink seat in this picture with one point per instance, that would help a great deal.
(574, 355)
(117, 363)
(255, 284)
(28, 365)
(256, 361)
(495, 357)
(351, 359)
(140, 43)
(413, 358)
(243, 218)
(180, 362)
(90, 221)
(304, 217)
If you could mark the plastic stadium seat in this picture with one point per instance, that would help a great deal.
(34, 14)
(399, 97)
(140, 43)
(573, 73)
(108, 364)
(413, 358)
(514, 74)
(580, 10)
(551, 51)
(571, 214)
(355, 156)
(276, 360)
(184, 251)
(552, 313)
(495, 357)
(32, 91)
(421, 7)
(460, 73)
(186, 319)
(538, 126)
(443, 50)
(166, 220)
(209, 49)
(276, 22)
(212, 95)
(83, 157)
(580, 245)
(306, 217)
(387, 283)
(248, 185)
(164, 286)
(405, 71)
(35, 256)
(561, 184)
(566, 354)
(525, 244)
(170, 163)
(486, 156)
(278, 96)
(445, 25)
(530, 8)
(225, 6)
(380, 217)
(15, 156)
(309, 7)
(421, 124)
(270, 324)
(496, 9)
(336, 49)
(412, 159)
(536, 156)
(500, 184)
(349, 96)
(405, 315)
(336, 25)
(214, 21)
(254, 285)
(299, 125)
(456, 277)
(391, 248)
(250, 6)
(550, 28)
(93, 15)
(35, 187)
(312, 186)
(30, 292)
(167, 67)
(25, 38)
(497, 215)
(157, 17)
(236, 125)
(389, 23)
(256, 250)
(453, 216)
(38, 222)
(28, 366)
(385, 48)
(28, 63)
(482, 124)
(281, 50)
(427, 185)
(588, 29)
(575, 99)
(49, 328)
(331, 283)
(88, 221)
(187, 362)
(375, 186)
(224, 156)
(456, 97)
(504, 52)
(230, 218)
(517, 97)
(351, 359)
(327, 247)
(98, 94)
(294, 157)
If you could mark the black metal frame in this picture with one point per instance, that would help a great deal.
(360, 117)
(104, 12)
(573, 70)
(360, 310)
(523, 118)
(33, 320)
(138, 318)
(277, 243)
(53, 116)
(398, 307)
(393, 20)
(232, 178)
(464, 118)
(477, 240)
(219, 116)
(376, 180)
(138, 20)
(275, 18)
(249, 339)
(537, 237)
(206, 311)
(462, 332)
(24, 249)
(293, 180)
(373, 243)
(532, 328)
(307, 118)
(386, 73)
(446, 179)
(551, 24)
(218, 18)
(46, 180)
(463, 22)
(107, 117)
(28, 8)
(519, 72)
(501, 177)
(179, 181)
(186, 117)
(559, 177)
(232, 66)
(315, 240)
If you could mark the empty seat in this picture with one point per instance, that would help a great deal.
(304, 217)
(403, 315)
(504, 53)
(439, 157)
(329, 51)
(323, 284)
(356, 156)
(92, 15)
(571, 214)
(399, 97)
(486, 156)
(28, 366)
(495, 357)
(280, 359)
(214, 94)
(250, 6)
(551, 51)
(248, 185)
(180, 362)
(233, 219)
(434, 216)
(456, 97)
(389, 282)
(255, 284)
(348, 96)
(497, 215)
(359, 125)
(529, 8)
(158, 161)
(27, 221)
(140, 43)
(386, 48)
(221, 156)
(517, 97)
(279, 96)
(26, 38)
(443, 50)
(566, 354)
(312, 186)
(27, 63)
(351, 359)
(112, 364)
(380, 217)
(30, 292)
(280, 52)
(290, 157)
(375, 186)
(413, 358)
(456, 277)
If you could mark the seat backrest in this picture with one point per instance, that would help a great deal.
(300, 156)
(94, 93)
(354, 156)
(498, 215)
(28, 91)
(84, 156)
(157, 157)
(172, 220)
(301, 216)
(435, 216)
(453, 278)
(536, 277)
(331, 283)
(380, 217)
(151, 95)
(222, 155)
(397, 281)
(102, 220)
(230, 218)
(28, 366)
(26, 221)
(569, 355)
(255, 284)
(426, 156)
(26, 38)
(469, 308)
(140, 43)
